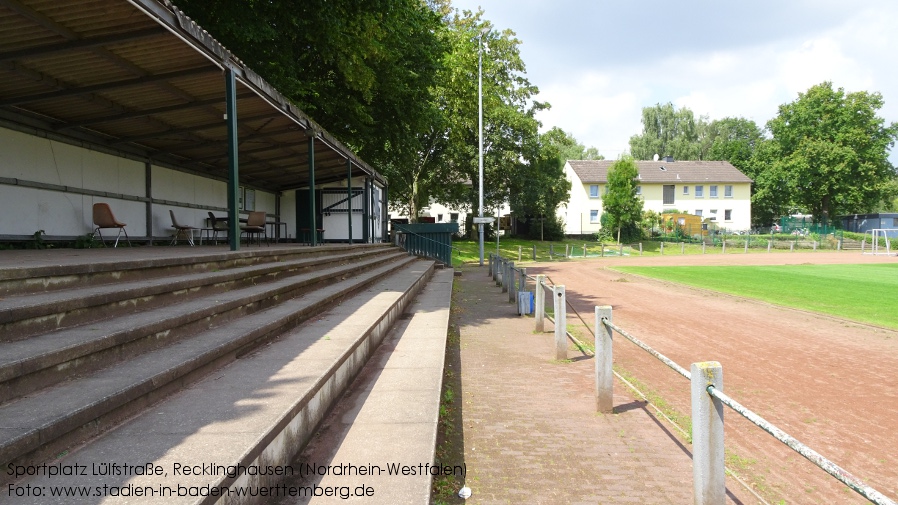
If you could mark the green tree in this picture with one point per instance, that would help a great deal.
(539, 186)
(363, 70)
(509, 108)
(569, 147)
(832, 151)
(771, 196)
(734, 140)
(621, 205)
(667, 131)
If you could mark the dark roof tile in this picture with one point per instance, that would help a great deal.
(691, 172)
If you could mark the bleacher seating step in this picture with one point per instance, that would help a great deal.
(33, 422)
(256, 411)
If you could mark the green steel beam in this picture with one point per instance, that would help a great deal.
(233, 166)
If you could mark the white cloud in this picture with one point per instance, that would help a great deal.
(740, 60)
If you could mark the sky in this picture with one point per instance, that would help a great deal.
(599, 62)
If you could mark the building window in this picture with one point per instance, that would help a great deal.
(698, 213)
(699, 191)
(713, 215)
(728, 215)
(685, 190)
(593, 190)
(668, 194)
(638, 190)
(453, 217)
(593, 216)
(713, 192)
(728, 191)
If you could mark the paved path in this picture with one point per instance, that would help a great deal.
(531, 433)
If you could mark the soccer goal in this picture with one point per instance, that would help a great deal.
(878, 241)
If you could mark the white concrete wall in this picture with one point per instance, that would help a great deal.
(34, 159)
(31, 159)
(576, 213)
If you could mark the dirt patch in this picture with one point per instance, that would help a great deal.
(830, 383)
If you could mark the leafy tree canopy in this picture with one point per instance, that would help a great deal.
(621, 206)
(667, 131)
(569, 148)
(832, 151)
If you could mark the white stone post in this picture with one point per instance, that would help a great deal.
(560, 323)
(539, 305)
(604, 362)
(512, 289)
(708, 477)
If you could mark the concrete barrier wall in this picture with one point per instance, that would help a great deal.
(51, 186)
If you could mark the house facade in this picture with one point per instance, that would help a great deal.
(714, 190)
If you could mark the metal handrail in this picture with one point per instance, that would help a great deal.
(814, 457)
(811, 455)
(427, 238)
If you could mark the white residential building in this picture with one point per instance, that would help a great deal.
(711, 189)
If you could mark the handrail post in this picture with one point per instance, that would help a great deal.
(560, 323)
(489, 270)
(539, 305)
(505, 276)
(604, 362)
(512, 289)
(708, 478)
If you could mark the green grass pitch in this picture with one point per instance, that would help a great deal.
(866, 293)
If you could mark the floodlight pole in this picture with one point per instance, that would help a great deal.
(480, 133)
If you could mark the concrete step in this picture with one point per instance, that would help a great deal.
(34, 313)
(388, 419)
(255, 413)
(122, 265)
(40, 361)
(51, 419)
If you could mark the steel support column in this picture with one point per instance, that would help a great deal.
(349, 196)
(233, 170)
(366, 212)
(386, 214)
(313, 220)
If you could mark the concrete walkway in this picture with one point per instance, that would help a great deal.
(531, 433)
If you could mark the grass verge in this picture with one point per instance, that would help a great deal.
(450, 448)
